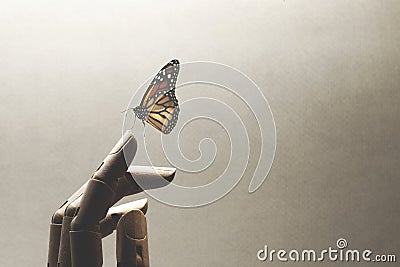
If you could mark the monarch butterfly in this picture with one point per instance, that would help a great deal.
(159, 106)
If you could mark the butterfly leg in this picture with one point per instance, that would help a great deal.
(134, 121)
(144, 132)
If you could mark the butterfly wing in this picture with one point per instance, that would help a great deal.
(164, 81)
(159, 101)
(163, 115)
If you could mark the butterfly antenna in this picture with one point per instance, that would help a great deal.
(124, 111)
(134, 121)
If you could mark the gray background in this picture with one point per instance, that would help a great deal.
(330, 70)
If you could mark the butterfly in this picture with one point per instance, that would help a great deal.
(159, 106)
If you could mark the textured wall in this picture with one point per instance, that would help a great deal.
(330, 70)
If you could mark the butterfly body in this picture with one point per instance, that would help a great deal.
(159, 106)
(140, 113)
